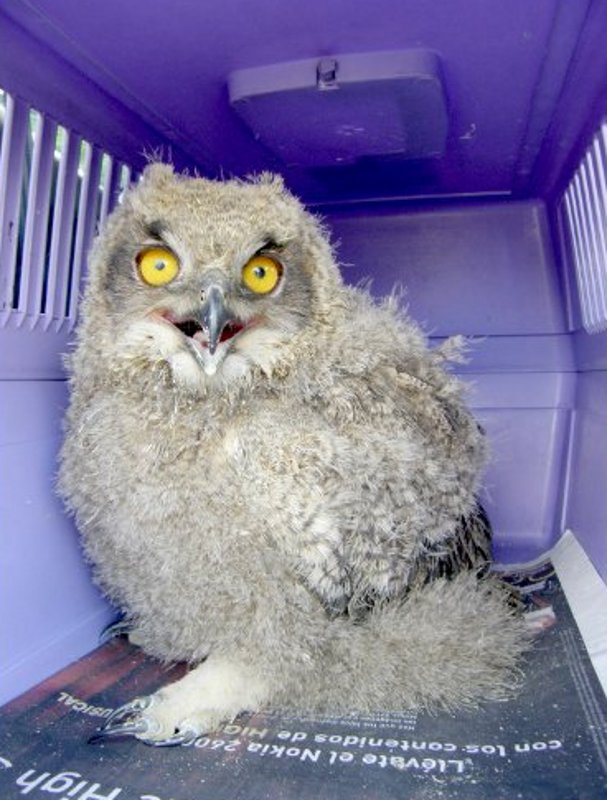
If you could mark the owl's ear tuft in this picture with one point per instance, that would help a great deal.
(271, 179)
(158, 173)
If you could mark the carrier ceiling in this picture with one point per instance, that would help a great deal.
(523, 82)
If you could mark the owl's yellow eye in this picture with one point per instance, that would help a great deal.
(157, 266)
(261, 274)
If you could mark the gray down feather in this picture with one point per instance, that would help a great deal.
(274, 511)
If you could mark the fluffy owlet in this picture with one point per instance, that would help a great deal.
(274, 476)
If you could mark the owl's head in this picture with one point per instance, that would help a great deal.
(212, 278)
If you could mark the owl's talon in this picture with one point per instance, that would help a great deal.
(121, 627)
(126, 720)
(130, 720)
(135, 728)
(130, 709)
(185, 736)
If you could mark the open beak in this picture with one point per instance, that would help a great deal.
(214, 317)
(214, 323)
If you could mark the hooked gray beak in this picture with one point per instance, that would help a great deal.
(214, 316)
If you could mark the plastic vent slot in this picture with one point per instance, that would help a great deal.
(585, 210)
(56, 189)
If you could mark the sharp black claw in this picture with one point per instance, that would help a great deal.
(118, 731)
(131, 709)
(125, 721)
(186, 736)
(120, 627)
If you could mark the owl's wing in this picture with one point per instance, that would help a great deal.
(400, 536)
(469, 548)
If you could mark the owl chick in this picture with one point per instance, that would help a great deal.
(273, 475)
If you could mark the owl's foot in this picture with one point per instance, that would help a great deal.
(209, 695)
(131, 719)
(127, 720)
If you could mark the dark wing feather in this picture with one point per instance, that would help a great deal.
(469, 548)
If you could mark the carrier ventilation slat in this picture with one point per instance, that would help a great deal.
(12, 164)
(585, 212)
(56, 190)
(36, 226)
(87, 216)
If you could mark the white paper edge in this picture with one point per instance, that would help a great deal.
(587, 597)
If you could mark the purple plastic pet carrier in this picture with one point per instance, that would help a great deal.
(456, 149)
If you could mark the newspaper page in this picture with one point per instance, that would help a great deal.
(549, 742)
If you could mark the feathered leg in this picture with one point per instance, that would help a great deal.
(453, 643)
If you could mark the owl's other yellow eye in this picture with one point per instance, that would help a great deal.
(261, 274)
(157, 266)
